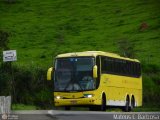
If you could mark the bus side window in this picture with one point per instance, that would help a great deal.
(103, 64)
(138, 70)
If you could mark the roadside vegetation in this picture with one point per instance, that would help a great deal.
(23, 107)
(39, 30)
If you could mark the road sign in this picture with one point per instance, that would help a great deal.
(9, 55)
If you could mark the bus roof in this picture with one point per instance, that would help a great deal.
(94, 54)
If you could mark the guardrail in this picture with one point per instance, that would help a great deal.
(5, 104)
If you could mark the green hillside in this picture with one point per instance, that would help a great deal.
(41, 29)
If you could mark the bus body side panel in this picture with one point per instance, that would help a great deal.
(118, 87)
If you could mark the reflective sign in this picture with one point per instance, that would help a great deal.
(9, 55)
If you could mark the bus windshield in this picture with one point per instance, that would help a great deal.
(74, 74)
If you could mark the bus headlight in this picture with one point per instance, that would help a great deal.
(88, 95)
(58, 97)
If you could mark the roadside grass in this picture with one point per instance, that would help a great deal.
(41, 30)
(23, 107)
(146, 109)
(137, 109)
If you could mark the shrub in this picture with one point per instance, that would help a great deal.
(151, 82)
(126, 48)
(4, 40)
(30, 85)
(150, 68)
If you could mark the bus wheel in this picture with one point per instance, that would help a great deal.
(103, 105)
(132, 104)
(67, 108)
(126, 107)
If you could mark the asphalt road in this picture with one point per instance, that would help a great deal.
(31, 115)
(85, 115)
(36, 117)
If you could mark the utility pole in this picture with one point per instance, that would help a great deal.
(10, 56)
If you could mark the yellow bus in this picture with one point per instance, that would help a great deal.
(97, 80)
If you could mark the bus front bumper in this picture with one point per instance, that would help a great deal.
(75, 102)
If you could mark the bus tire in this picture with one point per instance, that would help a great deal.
(103, 104)
(126, 107)
(67, 108)
(132, 104)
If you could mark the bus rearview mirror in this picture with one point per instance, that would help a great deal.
(49, 73)
(95, 71)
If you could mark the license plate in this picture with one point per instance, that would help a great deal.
(73, 101)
